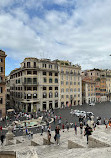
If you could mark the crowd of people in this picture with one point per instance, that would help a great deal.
(58, 123)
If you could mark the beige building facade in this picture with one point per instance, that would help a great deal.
(88, 91)
(70, 84)
(108, 84)
(35, 85)
(2, 84)
(45, 84)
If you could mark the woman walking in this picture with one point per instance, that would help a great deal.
(57, 134)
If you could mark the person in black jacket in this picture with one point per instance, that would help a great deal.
(2, 139)
(88, 131)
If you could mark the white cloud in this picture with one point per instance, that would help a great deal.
(82, 37)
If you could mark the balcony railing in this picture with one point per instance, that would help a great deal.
(30, 83)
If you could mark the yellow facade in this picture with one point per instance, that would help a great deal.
(70, 84)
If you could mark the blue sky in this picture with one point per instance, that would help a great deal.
(75, 30)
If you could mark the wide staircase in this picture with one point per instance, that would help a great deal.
(71, 145)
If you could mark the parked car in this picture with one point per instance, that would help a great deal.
(80, 113)
(91, 104)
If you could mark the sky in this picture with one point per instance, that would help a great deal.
(74, 30)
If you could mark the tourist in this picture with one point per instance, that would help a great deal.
(31, 134)
(106, 123)
(67, 126)
(87, 131)
(42, 129)
(63, 127)
(75, 128)
(2, 139)
(49, 134)
(57, 134)
(81, 127)
(59, 122)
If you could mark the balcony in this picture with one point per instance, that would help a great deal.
(30, 83)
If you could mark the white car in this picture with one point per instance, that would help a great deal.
(73, 111)
(80, 113)
(91, 104)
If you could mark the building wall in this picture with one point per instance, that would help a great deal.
(88, 92)
(2, 84)
(45, 87)
(70, 85)
(49, 88)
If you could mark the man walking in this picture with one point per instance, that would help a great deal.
(88, 131)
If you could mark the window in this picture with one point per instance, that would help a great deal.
(50, 73)
(45, 80)
(34, 64)
(62, 96)
(1, 69)
(67, 96)
(78, 89)
(62, 90)
(67, 90)
(18, 80)
(28, 64)
(50, 80)
(62, 82)
(66, 77)
(1, 100)
(44, 73)
(29, 88)
(62, 77)
(50, 88)
(44, 88)
(56, 74)
(71, 90)
(0, 79)
(56, 94)
(34, 72)
(29, 72)
(1, 60)
(34, 80)
(50, 95)
(75, 96)
(29, 80)
(78, 83)
(34, 95)
(34, 88)
(56, 80)
(1, 90)
(70, 83)
(50, 66)
(74, 83)
(44, 95)
(56, 88)
(74, 89)
(78, 95)
(29, 96)
(44, 65)
(67, 82)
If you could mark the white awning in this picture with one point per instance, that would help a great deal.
(10, 110)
